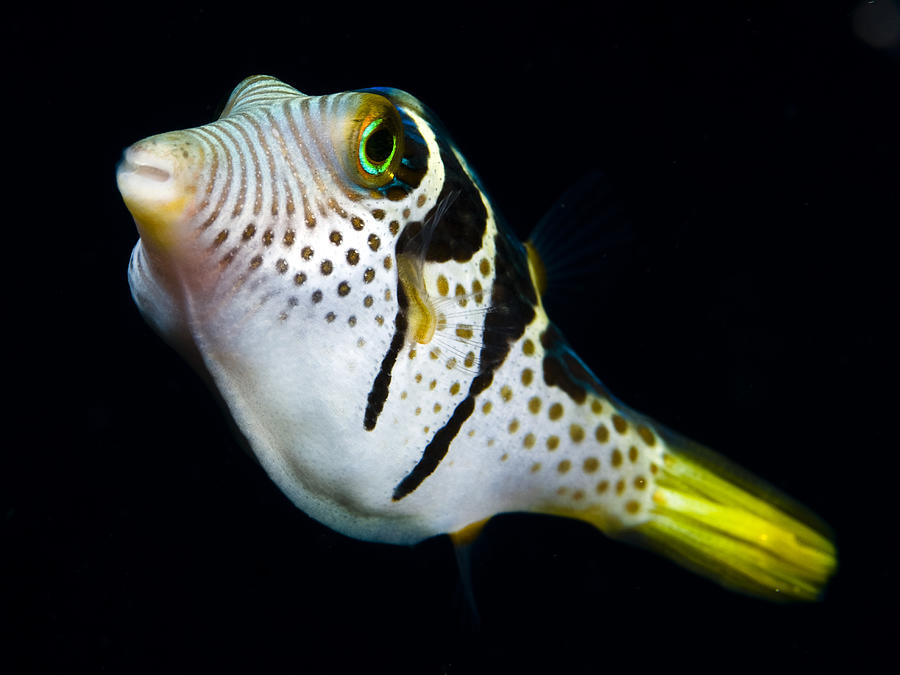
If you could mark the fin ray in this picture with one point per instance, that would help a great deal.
(745, 538)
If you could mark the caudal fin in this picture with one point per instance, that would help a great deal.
(717, 520)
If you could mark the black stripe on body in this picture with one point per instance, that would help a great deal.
(512, 302)
(382, 383)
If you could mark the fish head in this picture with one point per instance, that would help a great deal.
(294, 250)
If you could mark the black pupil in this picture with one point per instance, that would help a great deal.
(379, 144)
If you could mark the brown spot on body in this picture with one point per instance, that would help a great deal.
(632, 506)
(357, 223)
(248, 232)
(268, 237)
(620, 486)
(552, 443)
(228, 257)
(443, 286)
(255, 262)
(596, 406)
(343, 288)
(326, 267)
(288, 238)
(633, 454)
(368, 301)
(619, 423)
(528, 348)
(564, 466)
(534, 405)
(478, 292)
(616, 458)
(640, 482)
(454, 389)
(505, 393)
(378, 214)
(529, 440)
(374, 242)
(527, 376)
(460, 294)
(306, 253)
(486, 408)
(535, 467)
(353, 256)
(576, 433)
(602, 486)
(555, 411)
(646, 435)
(601, 433)
(484, 267)
(368, 275)
(299, 278)
(281, 266)
(220, 238)
(317, 296)
(513, 426)
(591, 464)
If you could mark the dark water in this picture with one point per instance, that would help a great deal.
(755, 155)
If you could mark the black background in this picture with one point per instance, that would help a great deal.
(754, 153)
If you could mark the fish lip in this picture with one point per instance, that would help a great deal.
(146, 177)
(143, 165)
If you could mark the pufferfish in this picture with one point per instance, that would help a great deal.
(334, 269)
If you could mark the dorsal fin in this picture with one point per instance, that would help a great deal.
(584, 228)
(257, 90)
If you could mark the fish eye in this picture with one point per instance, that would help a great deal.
(376, 143)
(377, 146)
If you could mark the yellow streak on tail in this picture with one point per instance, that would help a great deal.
(722, 530)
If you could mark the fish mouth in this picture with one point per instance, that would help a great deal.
(157, 187)
(143, 171)
(145, 176)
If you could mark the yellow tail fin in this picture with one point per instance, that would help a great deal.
(716, 520)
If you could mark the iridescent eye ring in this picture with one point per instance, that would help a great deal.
(377, 147)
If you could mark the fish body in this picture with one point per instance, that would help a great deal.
(335, 270)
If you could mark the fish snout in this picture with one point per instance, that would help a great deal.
(158, 179)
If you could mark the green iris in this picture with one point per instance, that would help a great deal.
(377, 145)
